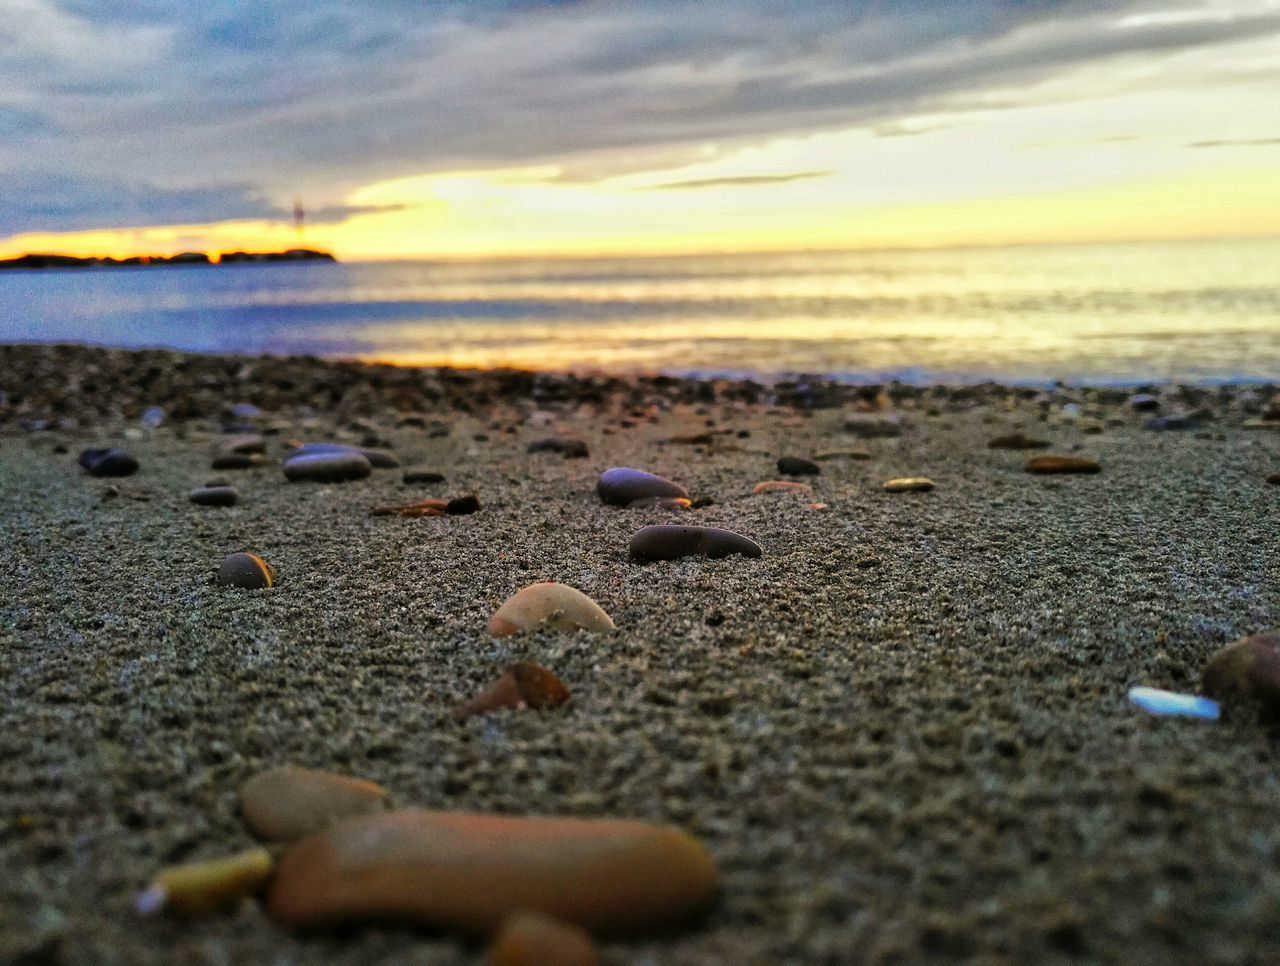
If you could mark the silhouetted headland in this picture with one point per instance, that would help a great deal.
(41, 261)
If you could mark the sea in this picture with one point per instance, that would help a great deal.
(1205, 312)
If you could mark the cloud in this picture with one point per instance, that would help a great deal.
(749, 180)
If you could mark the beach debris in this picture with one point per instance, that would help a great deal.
(570, 449)
(621, 486)
(246, 570)
(842, 454)
(201, 887)
(661, 502)
(782, 486)
(1172, 704)
(671, 542)
(287, 803)
(471, 871)
(1247, 670)
(1062, 464)
(336, 465)
(214, 496)
(908, 484)
(420, 475)
(422, 508)
(1018, 440)
(866, 426)
(549, 605)
(462, 505)
(104, 461)
(535, 939)
(796, 466)
(521, 685)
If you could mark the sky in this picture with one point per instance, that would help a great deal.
(535, 127)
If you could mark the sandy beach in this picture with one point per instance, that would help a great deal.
(902, 732)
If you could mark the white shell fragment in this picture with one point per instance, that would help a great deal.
(1173, 704)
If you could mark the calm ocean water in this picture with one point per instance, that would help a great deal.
(1201, 312)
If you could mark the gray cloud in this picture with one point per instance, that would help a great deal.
(151, 108)
(748, 180)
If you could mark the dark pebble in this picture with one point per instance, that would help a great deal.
(1143, 402)
(672, 542)
(327, 467)
(795, 466)
(1274, 479)
(461, 505)
(1249, 670)
(214, 496)
(1062, 464)
(237, 461)
(378, 458)
(108, 462)
(622, 486)
(1166, 423)
(423, 476)
(245, 570)
(873, 427)
(1017, 441)
(570, 449)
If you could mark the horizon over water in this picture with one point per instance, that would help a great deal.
(1103, 314)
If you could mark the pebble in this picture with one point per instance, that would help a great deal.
(1274, 479)
(1174, 705)
(214, 496)
(521, 685)
(1062, 464)
(692, 439)
(287, 803)
(1174, 421)
(238, 461)
(330, 466)
(202, 887)
(842, 454)
(461, 505)
(782, 486)
(470, 872)
(153, 417)
(621, 486)
(1017, 441)
(1143, 402)
(246, 570)
(534, 939)
(672, 542)
(908, 484)
(108, 462)
(570, 449)
(873, 427)
(422, 476)
(423, 508)
(1247, 669)
(381, 459)
(795, 466)
(244, 443)
(549, 605)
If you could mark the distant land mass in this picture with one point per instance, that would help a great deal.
(40, 261)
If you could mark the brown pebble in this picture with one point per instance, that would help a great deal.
(1017, 441)
(214, 496)
(534, 939)
(1062, 464)
(1274, 479)
(246, 443)
(1248, 670)
(908, 484)
(521, 685)
(238, 461)
(469, 872)
(797, 466)
(202, 887)
(423, 508)
(284, 804)
(462, 505)
(672, 542)
(842, 454)
(782, 486)
(549, 605)
(692, 439)
(246, 570)
(422, 476)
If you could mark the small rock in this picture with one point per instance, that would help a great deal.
(331, 466)
(533, 939)
(423, 508)
(692, 439)
(238, 461)
(795, 466)
(1062, 464)
(1247, 670)
(1143, 402)
(108, 462)
(673, 542)
(1274, 479)
(285, 804)
(214, 496)
(1017, 441)
(908, 484)
(244, 411)
(552, 605)
(244, 443)
(246, 570)
(782, 486)
(842, 454)
(1174, 421)
(203, 887)
(873, 427)
(522, 685)
(153, 417)
(469, 872)
(621, 486)
(570, 449)
(422, 476)
(461, 505)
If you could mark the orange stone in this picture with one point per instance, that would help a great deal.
(521, 685)
(1062, 464)
(532, 939)
(284, 804)
(469, 872)
(908, 484)
(782, 486)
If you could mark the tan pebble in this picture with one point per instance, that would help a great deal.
(782, 486)
(908, 484)
(1062, 464)
(246, 443)
(842, 454)
(287, 803)
(532, 939)
(1261, 424)
(423, 508)
(201, 887)
(246, 570)
(1249, 670)
(469, 872)
(549, 605)
(521, 685)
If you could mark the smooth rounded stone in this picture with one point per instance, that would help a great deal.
(621, 486)
(380, 459)
(533, 939)
(1143, 402)
(244, 443)
(782, 486)
(287, 803)
(332, 466)
(522, 685)
(238, 461)
(246, 570)
(673, 542)
(418, 475)
(104, 461)
(549, 605)
(1247, 670)
(1274, 479)
(153, 417)
(795, 466)
(1017, 440)
(570, 449)
(873, 427)
(214, 496)
(1062, 464)
(462, 505)
(842, 454)
(422, 508)
(202, 887)
(470, 872)
(908, 484)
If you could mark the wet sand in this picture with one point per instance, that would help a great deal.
(902, 732)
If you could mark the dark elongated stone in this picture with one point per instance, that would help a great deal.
(1247, 670)
(1062, 464)
(246, 570)
(570, 449)
(108, 462)
(461, 505)
(795, 466)
(672, 542)
(214, 496)
(423, 476)
(1017, 440)
(378, 458)
(328, 466)
(621, 485)
(238, 461)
